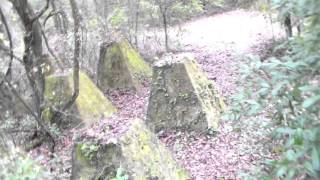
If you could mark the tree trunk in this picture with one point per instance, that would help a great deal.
(33, 42)
(77, 47)
(6, 27)
(165, 26)
(59, 18)
(31, 61)
(288, 25)
(136, 23)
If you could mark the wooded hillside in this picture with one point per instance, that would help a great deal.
(159, 89)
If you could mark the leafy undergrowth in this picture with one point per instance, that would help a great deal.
(235, 148)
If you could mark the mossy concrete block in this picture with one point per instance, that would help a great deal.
(182, 96)
(91, 104)
(121, 67)
(100, 164)
(138, 152)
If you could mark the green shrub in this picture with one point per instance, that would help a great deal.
(19, 166)
(120, 175)
(287, 89)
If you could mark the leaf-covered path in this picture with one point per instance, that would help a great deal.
(219, 43)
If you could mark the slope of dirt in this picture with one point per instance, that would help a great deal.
(218, 42)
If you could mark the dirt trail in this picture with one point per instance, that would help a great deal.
(219, 43)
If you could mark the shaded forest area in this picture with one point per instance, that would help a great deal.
(159, 89)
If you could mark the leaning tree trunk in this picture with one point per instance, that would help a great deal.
(77, 47)
(32, 60)
(33, 49)
(76, 56)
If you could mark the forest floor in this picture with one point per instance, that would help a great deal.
(219, 44)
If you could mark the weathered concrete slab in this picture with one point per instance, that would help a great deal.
(121, 67)
(137, 152)
(91, 104)
(182, 96)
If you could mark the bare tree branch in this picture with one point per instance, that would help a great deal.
(24, 103)
(36, 117)
(51, 14)
(60, 64)
(32, 54)
(60, 18)
(77, 47)
(41, 12)
(4, 20)
(6, 50)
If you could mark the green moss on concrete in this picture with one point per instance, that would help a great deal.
(85, 167)
(90, 105)
(134, 60)
(147, 156)
(51, 83)
(121, 67)
(47, 114)
(211, 102)
(89, 150)
(81, 154)
(182, 97)
(56, 89)
(91, 102)
(137, 151)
